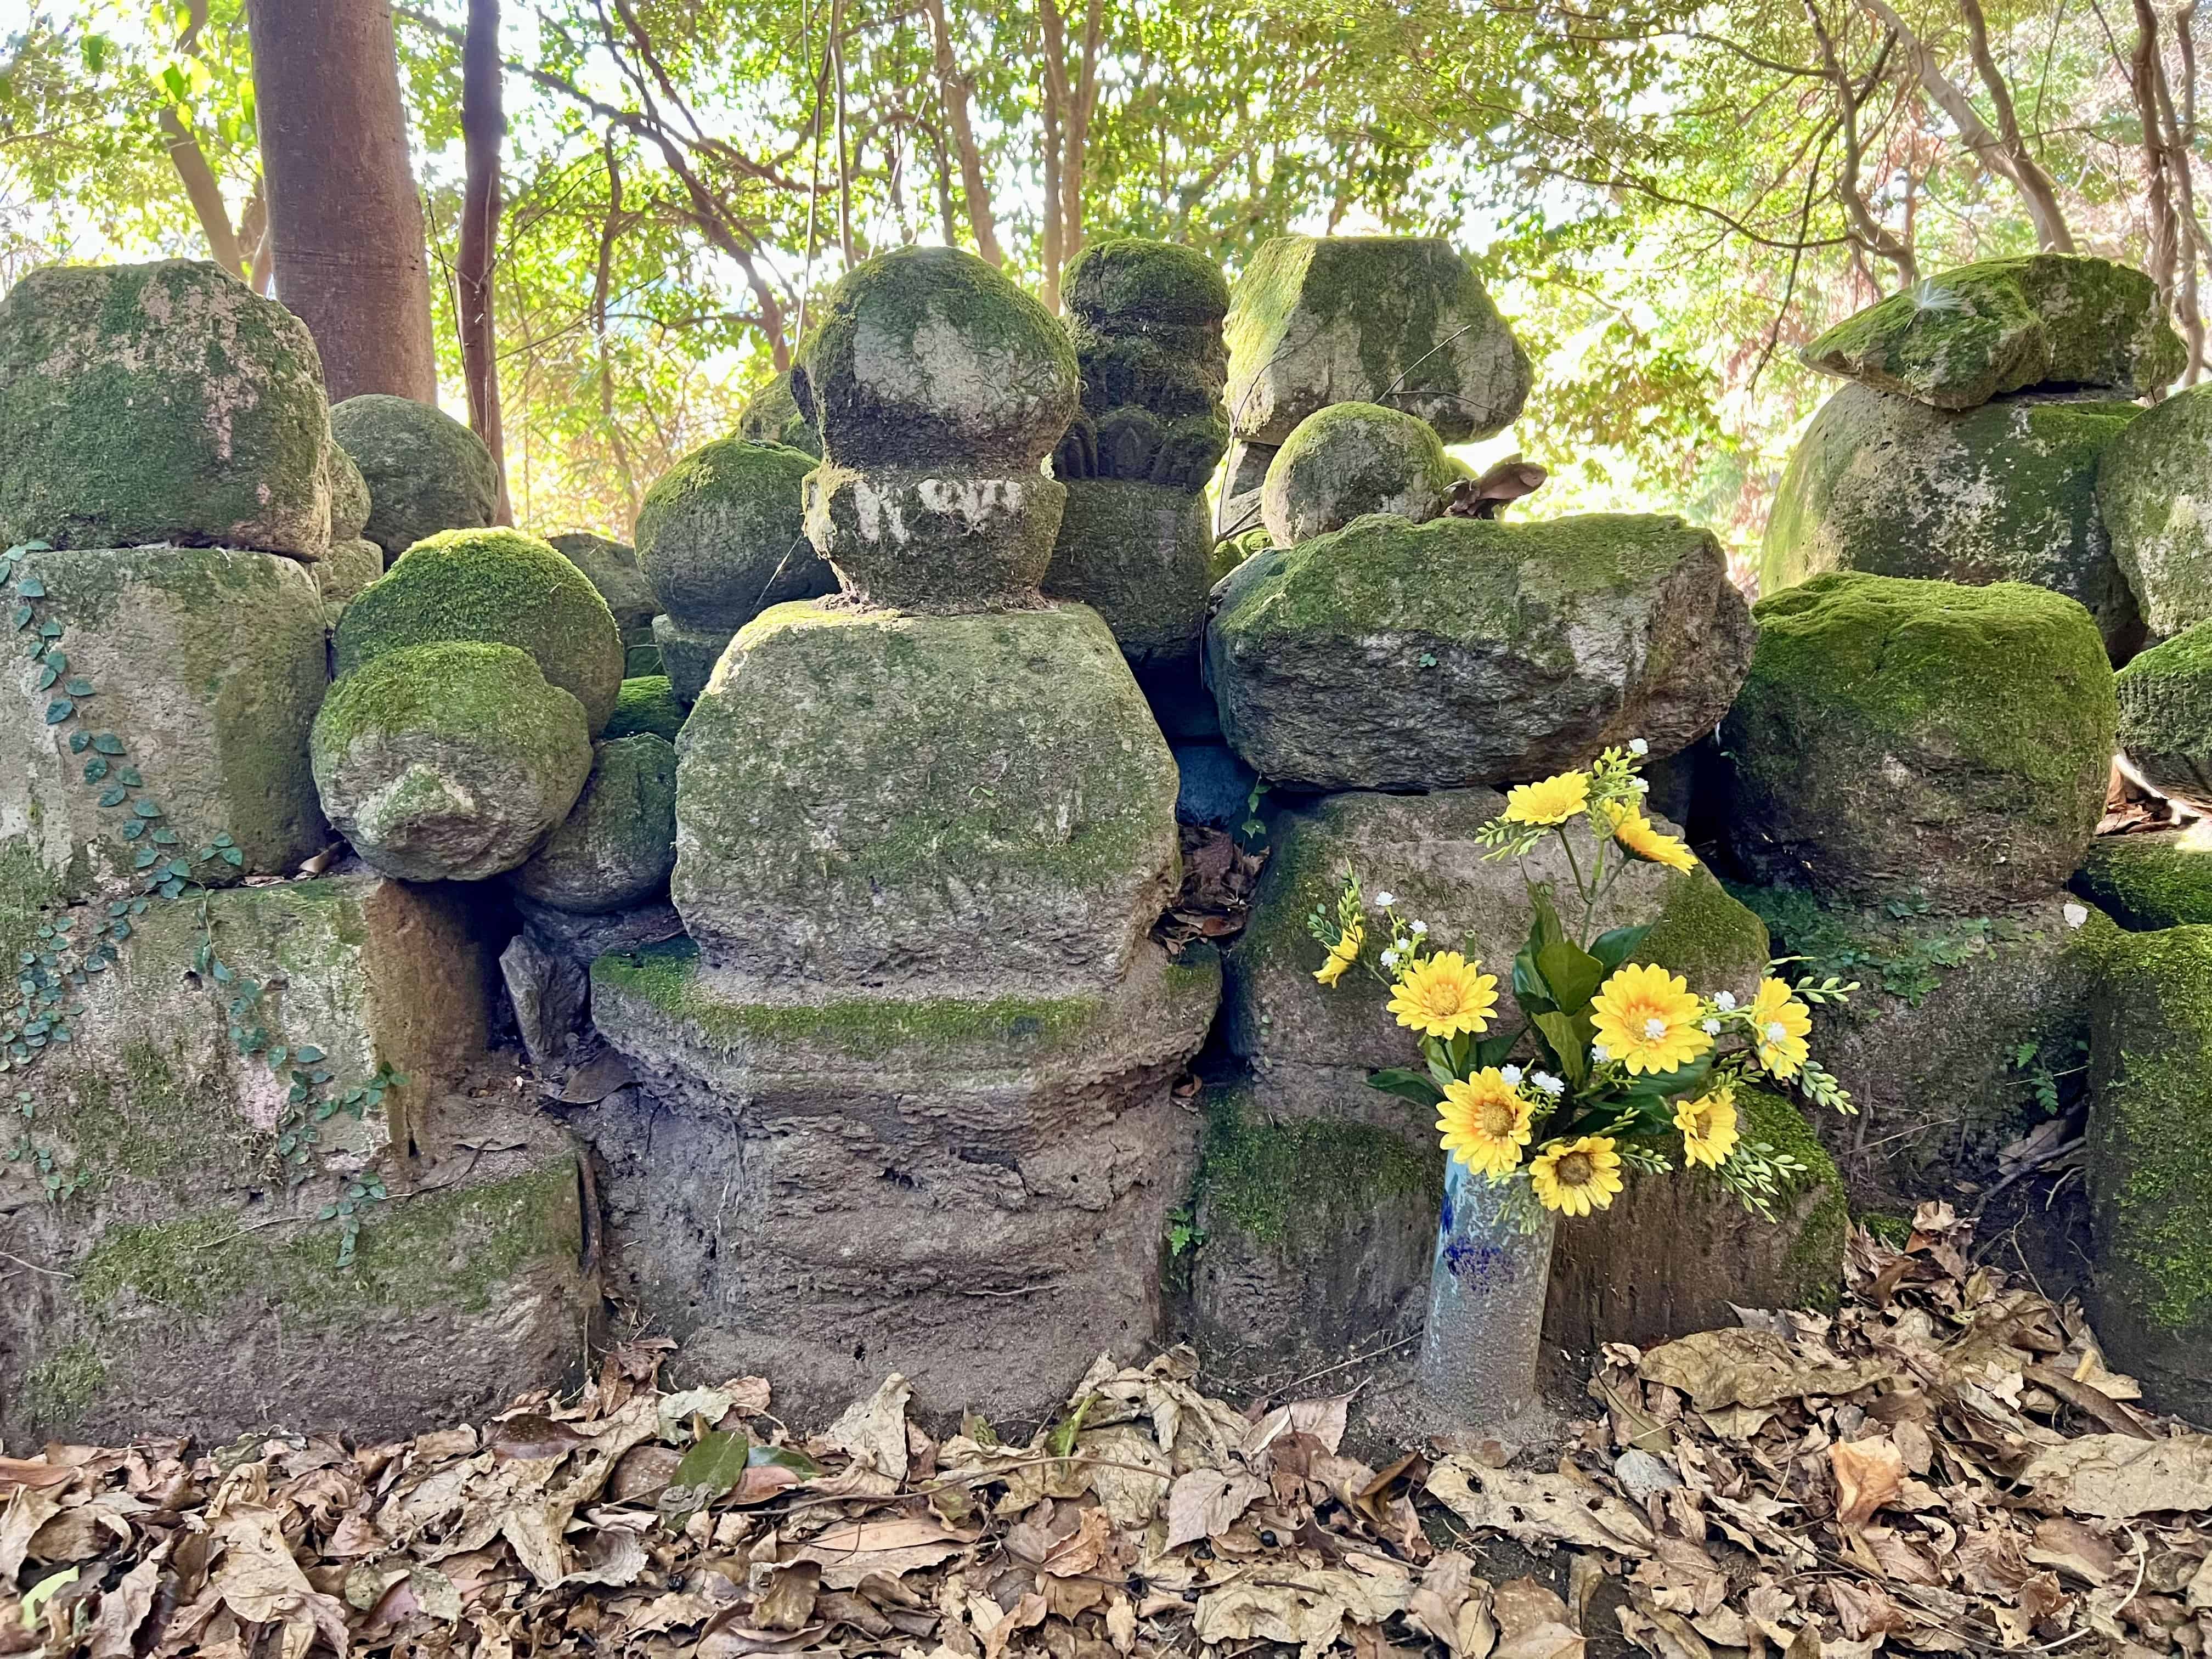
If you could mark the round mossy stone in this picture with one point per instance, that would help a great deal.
(2155, 486)
(425, 471)
(929, 356)
(500, 587)
(1898, 737)
(617, 844)
(771, 416)
(2006, 492)
(350, 503)
(2149, 881)
(160, 403)
(449, 761)
(647, 703)
(1350, 460)
(611, 566)
(722, 536)
(2166, 718)
(348, 570)
(1134, 281)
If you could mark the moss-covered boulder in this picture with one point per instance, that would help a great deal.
(2006, 492)
(617, 844)
(1463, 651)
(722, 537)
(195, 671)
(345, 572)
(2154, 490)
(350, 503)
(2166, 718)
(160, 403)
(1965, 1028)
(1311, 1047)
(425, 471)
(1139, 554)
(771, 416)
(449, 762)
(1304, 1239)
(1677, 1253)
(926, 357)
(499, 587)
(896, 1156)
(2150, 1162)
(988, 791)
(1350, 459)
(646, 704)
(2147, 882)
(1963, 336)
(612, 567)
(1316, 320)
(1920, 740)
(907, 539)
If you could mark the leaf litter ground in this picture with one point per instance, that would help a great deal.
(1945, 1466)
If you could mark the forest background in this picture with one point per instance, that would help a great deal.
(1665, 199)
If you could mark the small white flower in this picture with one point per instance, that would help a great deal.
(2076, 914)
(1774, 1033)
(1402, 946)
(1638, 746)
(1416, 928)
(1643, 786)
(1725, 1001)
(1712, 1028)
(1655, 1027)
(1512, 1076)
(1599, 1053)
(1550, 1084)
(1386, 900)
(1389, 958)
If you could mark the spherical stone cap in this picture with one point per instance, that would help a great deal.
(1350, 460)
(425, 471)
(1132, 279)
(721, 535)
(928, 356)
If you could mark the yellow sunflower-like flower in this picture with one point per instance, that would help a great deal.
(1444, 995)
(1647, 842)
(1779, 1024)
(1554, 800)
(1342, 955)
(1484, 1124)
(1707, 1126)
(1646, 1018)
(1576, 1177)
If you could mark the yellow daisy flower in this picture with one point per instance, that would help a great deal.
(1779, 1025)
(1554, 800)
(1647, 1020)
(1342, 955)
(1484, 1124)
(1576, 1177)
(1644, 839)
(1707, 1126)
(1444, 995)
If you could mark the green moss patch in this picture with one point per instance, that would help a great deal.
(1309, 1177)
(2149, 882)
(645, 703)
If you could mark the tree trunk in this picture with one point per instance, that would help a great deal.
(952, 90)
(345, 224)
(483, 128)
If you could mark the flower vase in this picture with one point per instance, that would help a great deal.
(1486, 1327)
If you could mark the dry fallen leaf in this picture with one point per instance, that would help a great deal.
(1535, 1507)
(1868, 1474)
(1738, 1367)
(2116, 1476)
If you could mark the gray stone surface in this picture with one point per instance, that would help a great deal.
(1350, 460)
(1140, 555)
(616, 848)
(720, 537)
(2166, 718)
(2006, 492)
(1214, 787)
(425, 471)
(349, 503)
(349, 567)
(550, 993)
(1402, 319)
(688, 655)
(1464, 651)
(207, 665)
(1244, 476)
(612, 567)
(910, 539)
(449, 762)
(160, 403)
(988, 791)
(2155, 489)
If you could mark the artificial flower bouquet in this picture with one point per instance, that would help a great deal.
(1613, 1060)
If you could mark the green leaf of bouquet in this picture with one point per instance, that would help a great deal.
(1569, 1052)
(1616, 944)
(1406, 1084)
(1571, 973)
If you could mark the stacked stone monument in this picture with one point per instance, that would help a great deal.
(165, 450)
(917, 1048)
(1136, 540)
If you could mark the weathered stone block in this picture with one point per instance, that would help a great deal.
(2150, 1162)
(207, 666)
(1401, 320)
(2166, 718)
(1243, 477)
(345, 571)
(1390, 655)
(2147, 882)
(913, 540)
(771, 416)
(425, 471)
(349, 501)
(2157, 502)
(616, 848)
(971, 1191)
(2006, 492)
(1140, 555)
(867, 800)
(1350, 459)
(612, 567)
(647, 703)
(1920, 738)
(688, 655)
(160, 403)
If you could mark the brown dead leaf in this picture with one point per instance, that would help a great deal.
(2118, 1476)
(787, 1603)
(261, 1582)
(848, 1554)
(1304, 1605)
(2076, 1550)
(1204, 1502)
(1532, 1507)
(1868, 1474)
(1738, 1367)
(123, 1609)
